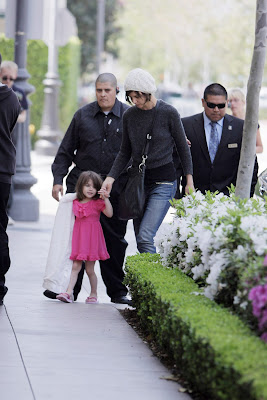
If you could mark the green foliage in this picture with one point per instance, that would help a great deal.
(68, 67)
(69, 72)
(170, 38)
(7, 48)
(215, 351)
(85, 13)
(37, 54)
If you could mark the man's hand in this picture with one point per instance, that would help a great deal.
(107, 184)
(56, 190)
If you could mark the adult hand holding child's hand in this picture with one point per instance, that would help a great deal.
(107, 184)
(103, 193)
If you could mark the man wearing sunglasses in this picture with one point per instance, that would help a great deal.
(216, 139)
(8, 74)
(9, 111)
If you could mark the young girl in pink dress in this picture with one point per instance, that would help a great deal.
(88, 243)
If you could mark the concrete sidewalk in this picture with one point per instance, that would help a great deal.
(53, 350)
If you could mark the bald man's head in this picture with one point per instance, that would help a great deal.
(107, 77)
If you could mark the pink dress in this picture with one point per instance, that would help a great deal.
(88, 242)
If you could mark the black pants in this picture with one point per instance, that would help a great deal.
(114, 231)
(4, 250)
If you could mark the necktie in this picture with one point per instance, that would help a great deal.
(214, 141)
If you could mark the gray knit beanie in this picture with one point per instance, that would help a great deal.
(140, 80)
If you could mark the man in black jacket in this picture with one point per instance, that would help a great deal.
(9, 112)
(8, 75)
(92, 142)
(216, 140)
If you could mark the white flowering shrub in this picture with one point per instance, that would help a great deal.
(220, 242)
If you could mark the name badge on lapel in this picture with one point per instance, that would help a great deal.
(232, 145)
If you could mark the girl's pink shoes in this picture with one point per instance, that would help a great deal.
(91, 300)
(65, 297)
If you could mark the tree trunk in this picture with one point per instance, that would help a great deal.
(248, 150)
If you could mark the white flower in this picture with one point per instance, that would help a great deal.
(205, 231)
(220, 236)
(240, 252)
(198, 271)
(236, 300)
(199, 196)
(244, 305)
(210, 292)
(197, 293)
(189, 256)
(217, 262)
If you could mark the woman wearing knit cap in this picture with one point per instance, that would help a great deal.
(160, 176)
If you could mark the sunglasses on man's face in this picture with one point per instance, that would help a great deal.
(5, 78)
(213, 105)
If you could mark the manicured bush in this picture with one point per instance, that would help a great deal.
(215, 351)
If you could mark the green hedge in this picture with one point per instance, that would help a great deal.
(69, 72)
(68, 69)
(215, 351)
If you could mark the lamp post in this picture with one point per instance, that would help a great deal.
(25, 206)
(49, 134)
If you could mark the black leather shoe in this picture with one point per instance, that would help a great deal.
(122, 300)
(50, 294)
(1, 302)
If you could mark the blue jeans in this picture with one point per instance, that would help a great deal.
(158, 198)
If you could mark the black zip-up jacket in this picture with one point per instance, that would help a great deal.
(9, 112)
(92, 141)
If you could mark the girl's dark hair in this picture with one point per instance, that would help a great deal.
(128, 99)
(84, 179)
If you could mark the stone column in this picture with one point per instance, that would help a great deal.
(25, 206)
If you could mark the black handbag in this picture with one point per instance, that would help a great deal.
(132, 197)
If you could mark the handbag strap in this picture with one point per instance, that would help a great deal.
(148, 139)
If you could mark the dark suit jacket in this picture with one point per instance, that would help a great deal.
(223, 171)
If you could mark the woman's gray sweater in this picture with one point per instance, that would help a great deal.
(167, 132)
